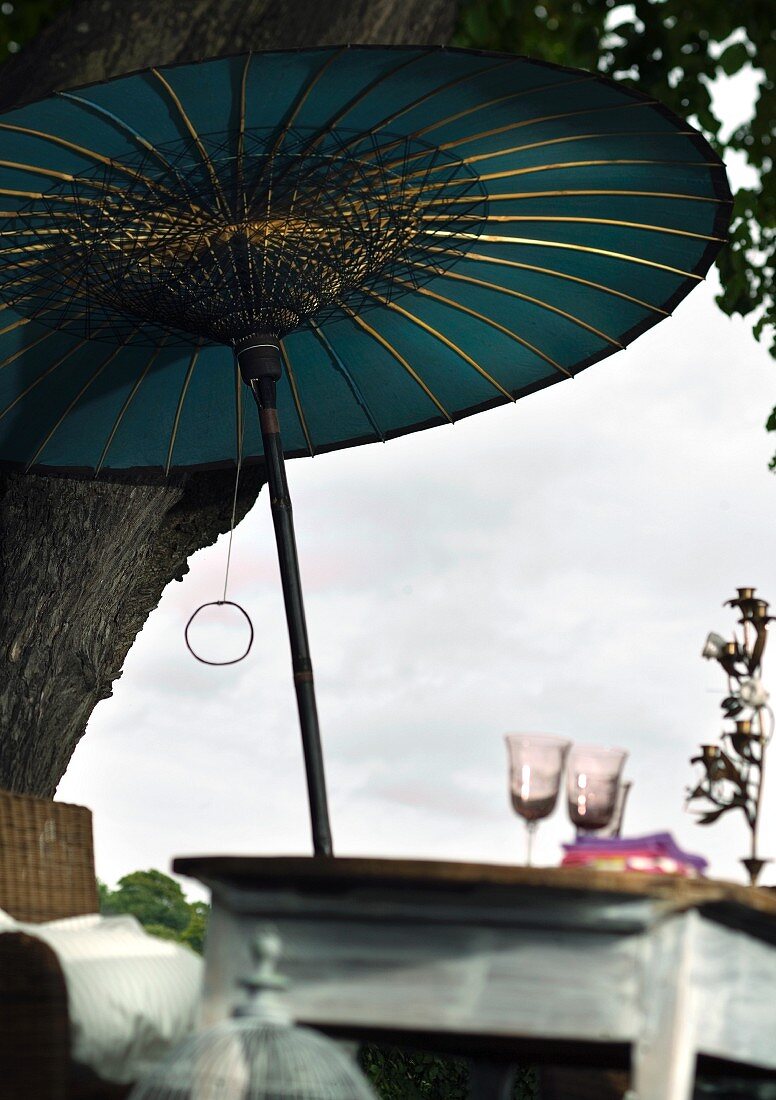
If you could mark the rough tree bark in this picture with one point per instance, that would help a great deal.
(82, 564)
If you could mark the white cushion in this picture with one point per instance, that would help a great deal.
(131, 996)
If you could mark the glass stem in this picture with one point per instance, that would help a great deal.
(530, 829)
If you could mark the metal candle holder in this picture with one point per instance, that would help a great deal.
(733, 771)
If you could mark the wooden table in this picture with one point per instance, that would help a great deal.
(508, 964)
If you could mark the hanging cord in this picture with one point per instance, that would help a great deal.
(234, 513)
(223, 602)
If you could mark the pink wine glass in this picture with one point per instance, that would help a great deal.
(593, 785)
(536, 762)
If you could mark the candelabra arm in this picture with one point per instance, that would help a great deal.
(735, 778)
(755, 821)
(759, 648)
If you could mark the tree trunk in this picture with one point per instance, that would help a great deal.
(95, 39)
(83, 563)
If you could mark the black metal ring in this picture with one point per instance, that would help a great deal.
(219, 603)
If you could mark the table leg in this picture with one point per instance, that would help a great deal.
(665, 1053)
(491, 1080)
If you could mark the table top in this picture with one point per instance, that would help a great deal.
(541, 963)
(320, 873)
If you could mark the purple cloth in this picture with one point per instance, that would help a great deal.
(659, 844)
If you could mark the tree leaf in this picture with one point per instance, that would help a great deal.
(734, 58)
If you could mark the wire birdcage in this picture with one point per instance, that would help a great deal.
(242, 1059)
(258, 1053)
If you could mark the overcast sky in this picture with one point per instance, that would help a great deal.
(550, 566)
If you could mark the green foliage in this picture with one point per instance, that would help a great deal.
(103, 892)
(162, 931)
(160, 905)
(154, 898)
(407, 1075)
(672, 49)
(410, 1075)
(20, 20)
(194, 932)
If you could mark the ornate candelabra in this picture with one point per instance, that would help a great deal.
(733, 771)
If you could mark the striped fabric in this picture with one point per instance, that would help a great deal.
(131, 996)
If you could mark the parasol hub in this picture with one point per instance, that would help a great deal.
(235, 237)
(259, 357)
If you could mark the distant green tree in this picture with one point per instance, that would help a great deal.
(103, 892)
(160, 905)
(163, 932)
(195, 931)
(154, 898)
(674, 50)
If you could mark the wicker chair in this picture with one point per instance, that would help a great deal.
(46, 872)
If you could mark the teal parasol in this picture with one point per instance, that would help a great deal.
(375, 240)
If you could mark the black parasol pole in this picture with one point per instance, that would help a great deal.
(260, 367)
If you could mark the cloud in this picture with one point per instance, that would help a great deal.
(552, 566)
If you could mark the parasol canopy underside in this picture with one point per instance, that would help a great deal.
(432, 232)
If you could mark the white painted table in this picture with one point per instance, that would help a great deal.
(553, 965)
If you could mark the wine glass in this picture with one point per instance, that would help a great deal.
(593, 785)
(536, 763)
